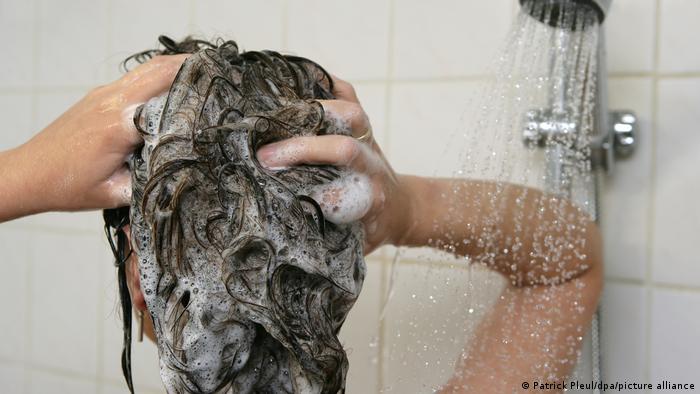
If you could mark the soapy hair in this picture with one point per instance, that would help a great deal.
(274, 99)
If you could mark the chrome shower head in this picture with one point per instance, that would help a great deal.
(612, 134)
(557, 7)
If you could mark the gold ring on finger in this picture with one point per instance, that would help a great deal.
(366, 136)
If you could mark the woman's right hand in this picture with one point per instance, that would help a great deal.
(78, 161)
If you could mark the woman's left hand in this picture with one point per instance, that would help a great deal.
(377, 196)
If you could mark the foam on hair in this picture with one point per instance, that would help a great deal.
(247, 282)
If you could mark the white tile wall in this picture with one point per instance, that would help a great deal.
(135, 26)
(629, 29)
(46, 382)
(14, 268)
(18, 126)
(627, 195)
(63, 307)
(12, 376)
(253, 24)
(17, 25)
(678, 36)
(349, 38)
(677, 214)
(424, 119)
(447, 38)
(675, 324)
(414, 64)
(624, 332)
(72, 42)
(82, 222)
(360, 333)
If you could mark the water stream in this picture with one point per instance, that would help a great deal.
(532, 125)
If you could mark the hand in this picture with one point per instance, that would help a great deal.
(373, 194)
(78, 161)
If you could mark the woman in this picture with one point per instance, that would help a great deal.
(78, 163)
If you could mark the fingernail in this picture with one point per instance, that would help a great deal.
(266, 155)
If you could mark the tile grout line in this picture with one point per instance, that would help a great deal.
(659, 75)
(652, 194)
(676, 287)
(625, 281)
(28, 318)
(395, 81)
(654, 284)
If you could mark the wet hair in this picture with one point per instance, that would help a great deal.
(205, 215)
(115, 221)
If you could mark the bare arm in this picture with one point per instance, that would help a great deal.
(535, 329)
(530, 237)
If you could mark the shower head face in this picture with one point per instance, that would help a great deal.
(245, 280)
(553, 12)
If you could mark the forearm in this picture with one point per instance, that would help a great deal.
(41, 176)
(530, 237)
(18, 196)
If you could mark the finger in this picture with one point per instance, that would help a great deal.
(337, 150)
(146, 81)
(347, 116)
(152, 78)
(344, 90)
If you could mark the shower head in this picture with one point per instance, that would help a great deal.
(554, 125)
(556, 7)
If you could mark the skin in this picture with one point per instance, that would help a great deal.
(404, 211)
